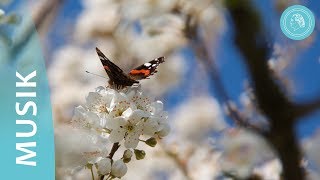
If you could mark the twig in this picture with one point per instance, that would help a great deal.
(180, 164)
(307, 108)
(203, 54)
(114, 149)
(92, 175)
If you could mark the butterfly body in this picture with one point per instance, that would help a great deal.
(118, 79)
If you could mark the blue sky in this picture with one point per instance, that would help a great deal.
(305, 72)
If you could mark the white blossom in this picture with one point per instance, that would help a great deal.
(130, 126)
(196, 118)
(269, 170)
(138, 9)
(311, 147)
(85, 119)
(312, 175)
(77, 147)
(104, 166)
(91, 22)
(242, 151)
(157, 116)
(69, 65)
(119, 168)
(200, 163)
(156, 161)
(127, 127)
(99, 104)
(82, 174)
(164, 131)
(110, 116)
(127, 114)
(204, 163)
(91, 4)
(165, 31)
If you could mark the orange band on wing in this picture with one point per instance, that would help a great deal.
(106, 67)
(145, 72)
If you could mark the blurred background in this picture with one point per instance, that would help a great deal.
(204, 82)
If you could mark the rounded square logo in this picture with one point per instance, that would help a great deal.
(297, 22)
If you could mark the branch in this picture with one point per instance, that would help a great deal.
(114, 149)
(46, 13)
(198, 44)
(181, 164)
(251, 41)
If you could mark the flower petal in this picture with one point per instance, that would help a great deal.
(137, 115)
(150, 126)
(132, 139)
(93, 98)
(156, 107)
(93, 119)
(115, 123)
(117, 135)
(165, 130)
(127, 113)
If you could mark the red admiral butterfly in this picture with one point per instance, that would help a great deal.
(118, 79)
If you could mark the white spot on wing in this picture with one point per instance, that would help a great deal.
(147, 64)
(102, 58)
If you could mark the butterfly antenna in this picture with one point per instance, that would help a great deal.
(96, 74)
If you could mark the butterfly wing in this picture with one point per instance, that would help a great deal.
(116, 75)
(146, 69)
(107, 64)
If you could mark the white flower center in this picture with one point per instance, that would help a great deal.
(119, 112)
(130, 127)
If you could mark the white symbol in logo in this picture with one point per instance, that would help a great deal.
(297, 22)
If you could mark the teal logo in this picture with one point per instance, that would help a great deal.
(297, 22)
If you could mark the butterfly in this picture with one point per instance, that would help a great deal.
(118, 79)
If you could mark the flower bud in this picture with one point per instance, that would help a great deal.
(164, 131)
(104, 166)
(127, 156)
(151, 142)
(140, 154)
(119, 168)
(127, 153)
(126, 160)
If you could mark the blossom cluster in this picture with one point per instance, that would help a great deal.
(124, 118)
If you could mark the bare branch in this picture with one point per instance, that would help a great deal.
(304, 109)
(45, 14)
(181, 164)
(203, 54)
(251, 41)
(114, 149)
